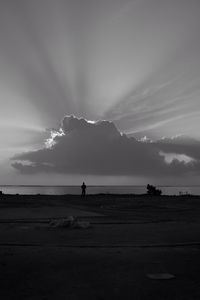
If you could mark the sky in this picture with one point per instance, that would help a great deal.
(106, 91)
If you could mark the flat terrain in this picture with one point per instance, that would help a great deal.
(130, 238)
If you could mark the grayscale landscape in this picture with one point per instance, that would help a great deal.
(99, 149)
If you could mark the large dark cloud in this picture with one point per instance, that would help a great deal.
(83, 147)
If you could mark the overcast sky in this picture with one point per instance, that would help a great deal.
(133, 63)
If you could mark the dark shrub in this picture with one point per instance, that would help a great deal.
(153, 191)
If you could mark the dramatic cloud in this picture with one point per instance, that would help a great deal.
(85, 147)
(133, 62)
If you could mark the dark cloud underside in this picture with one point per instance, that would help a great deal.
(81, 147)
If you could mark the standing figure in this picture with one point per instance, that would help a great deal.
(83, 188)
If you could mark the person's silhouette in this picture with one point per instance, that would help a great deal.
(83, 188)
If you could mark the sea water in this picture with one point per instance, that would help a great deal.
(75, 190)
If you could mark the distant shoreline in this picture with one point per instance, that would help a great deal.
(114, 185)
(110, 195)
(94, 190)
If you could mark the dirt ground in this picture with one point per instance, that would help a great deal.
(130, 238)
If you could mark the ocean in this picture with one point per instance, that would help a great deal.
(75, 190)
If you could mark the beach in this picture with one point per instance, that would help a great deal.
(129, 239)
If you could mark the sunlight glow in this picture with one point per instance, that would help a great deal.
(170, 157)
(54, 134)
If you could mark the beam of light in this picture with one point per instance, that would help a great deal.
(88, 56)
(117, 60)
(18, 111)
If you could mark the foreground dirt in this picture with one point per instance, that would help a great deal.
(130, 237)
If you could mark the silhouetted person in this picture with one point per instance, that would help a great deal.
(83, 188)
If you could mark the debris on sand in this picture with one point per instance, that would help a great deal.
(65, 222)
(82, 225)
(69, 222)
(160, 276)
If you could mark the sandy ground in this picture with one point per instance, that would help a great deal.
(129, 238)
